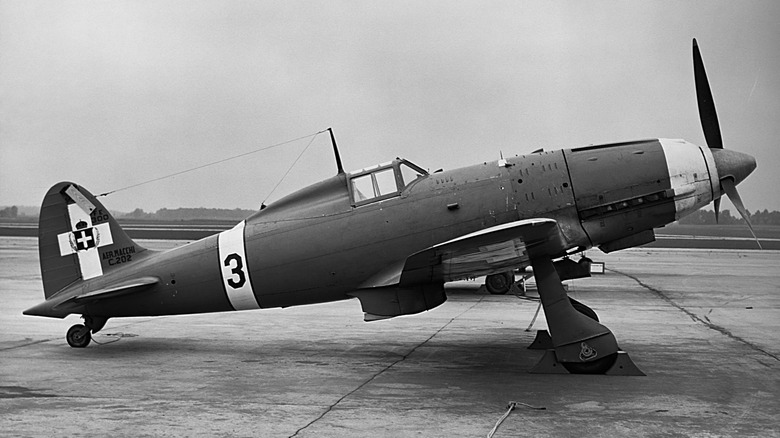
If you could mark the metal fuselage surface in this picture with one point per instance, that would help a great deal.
(318, 244)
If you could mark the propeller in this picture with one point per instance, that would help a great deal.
(707, 113)
(732, 166)
(731, 190)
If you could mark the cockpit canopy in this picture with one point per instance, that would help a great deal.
(383, 181)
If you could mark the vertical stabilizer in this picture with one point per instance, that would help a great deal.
(78, 239)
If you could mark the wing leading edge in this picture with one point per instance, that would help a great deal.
(489, 251)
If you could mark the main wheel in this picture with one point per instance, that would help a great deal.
(499, 284)
(78, 336)
(598, 366)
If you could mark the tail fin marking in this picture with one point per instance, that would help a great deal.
(78, 239)
(84, 241)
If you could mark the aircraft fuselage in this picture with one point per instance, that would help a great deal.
(305, 248)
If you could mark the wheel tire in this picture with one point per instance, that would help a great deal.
(499, 284)
(76, 339)
(585, 310)
(598, 366)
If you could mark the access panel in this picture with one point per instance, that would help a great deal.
(620, 189)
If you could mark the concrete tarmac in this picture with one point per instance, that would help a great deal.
(702, 324)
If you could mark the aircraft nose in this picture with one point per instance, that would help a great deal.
(733, 164)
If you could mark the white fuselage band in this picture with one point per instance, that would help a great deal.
(233, 265)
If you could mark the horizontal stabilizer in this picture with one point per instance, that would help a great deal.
(59, 306)
(124, 288)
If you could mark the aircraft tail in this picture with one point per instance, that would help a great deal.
(78, 239)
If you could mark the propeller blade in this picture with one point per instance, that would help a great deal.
(717, 209)
(707, 114)
(731, 190)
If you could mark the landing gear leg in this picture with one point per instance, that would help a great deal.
(581, 345)
(80, 335)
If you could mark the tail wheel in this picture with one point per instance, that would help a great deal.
(78, 336)
(499, 284)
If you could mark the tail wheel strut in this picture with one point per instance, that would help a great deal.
(80, 335)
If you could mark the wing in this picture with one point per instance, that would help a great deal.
(492, 250)
(489, 251)
(417, 284)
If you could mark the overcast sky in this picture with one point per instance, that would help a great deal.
(112, 93)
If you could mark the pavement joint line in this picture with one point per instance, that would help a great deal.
(383, 370)
(27, 344)
(695, 317)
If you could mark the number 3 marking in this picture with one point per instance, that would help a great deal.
(237, 270)
(234, 268)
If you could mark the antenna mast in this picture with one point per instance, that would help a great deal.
(336, 152)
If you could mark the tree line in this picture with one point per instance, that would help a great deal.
(707, 217)
(183, 214)
(699, 217)
(163, 214)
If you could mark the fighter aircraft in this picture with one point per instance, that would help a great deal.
(392, 235)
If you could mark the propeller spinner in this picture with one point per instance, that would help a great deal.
(732, 166)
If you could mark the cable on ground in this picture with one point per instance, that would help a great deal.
(509, 408)
(118, 337)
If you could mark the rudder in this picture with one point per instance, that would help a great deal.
(78, 239)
